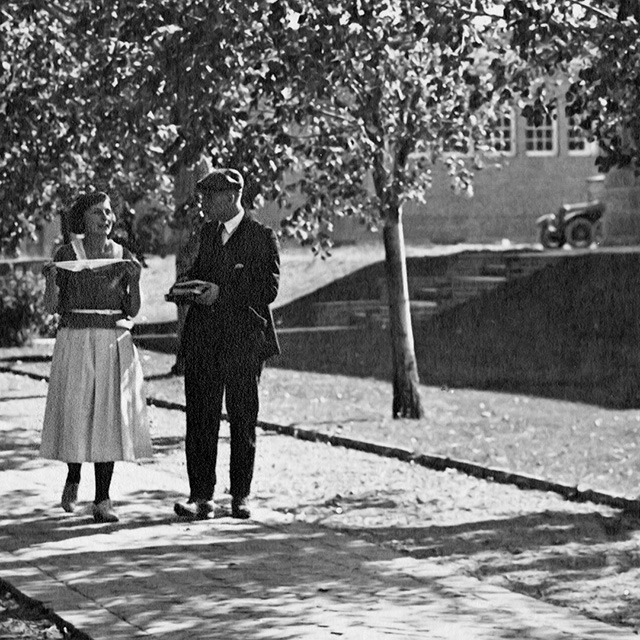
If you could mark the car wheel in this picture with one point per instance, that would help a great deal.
(580, 233)
(548, 239)
(598, 232)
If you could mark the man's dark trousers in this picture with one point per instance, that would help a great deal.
(209, 377)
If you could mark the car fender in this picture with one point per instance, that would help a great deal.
(547, 219)
(592, 212)
(590, 217)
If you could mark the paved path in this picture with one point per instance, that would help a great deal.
(150, 576)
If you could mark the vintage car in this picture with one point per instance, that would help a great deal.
(580, 225)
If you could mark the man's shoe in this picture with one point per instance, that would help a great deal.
(197, 510)
(69, 496)
(240, 508)
(103, 512)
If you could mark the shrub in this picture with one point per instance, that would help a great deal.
(22, 312)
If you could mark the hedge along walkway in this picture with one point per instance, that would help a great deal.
(328, 395)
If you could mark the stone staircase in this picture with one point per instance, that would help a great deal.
(464, 276)
(436, 283)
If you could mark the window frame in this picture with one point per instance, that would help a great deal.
(542, 153)
(589, 149)
(513, 132)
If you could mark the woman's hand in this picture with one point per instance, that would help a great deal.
(49, 270)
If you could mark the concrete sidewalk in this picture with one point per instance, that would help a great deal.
(152, 576)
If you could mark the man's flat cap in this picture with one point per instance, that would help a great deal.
(221, 180)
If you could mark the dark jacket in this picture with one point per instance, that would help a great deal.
(239, 325)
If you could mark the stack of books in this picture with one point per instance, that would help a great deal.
(183, 292)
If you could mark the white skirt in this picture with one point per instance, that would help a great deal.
(96, 409)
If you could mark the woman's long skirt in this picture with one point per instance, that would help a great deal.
(96, 409)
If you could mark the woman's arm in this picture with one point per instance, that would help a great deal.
(51, 291)
(53, 281)
(133, 301)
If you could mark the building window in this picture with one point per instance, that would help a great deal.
(577, 143)
(502, 139)
(541, 140)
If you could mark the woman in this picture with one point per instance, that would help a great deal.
(96, 410)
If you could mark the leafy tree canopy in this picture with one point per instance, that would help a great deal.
(342, 95)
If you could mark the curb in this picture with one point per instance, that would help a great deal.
(434, 462)
(441, 463)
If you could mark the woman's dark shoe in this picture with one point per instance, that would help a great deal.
(103, 512)
(69, 496)
(196, 510)
(240, 508)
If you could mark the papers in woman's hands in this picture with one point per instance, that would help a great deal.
(80, 265)
(186, 291)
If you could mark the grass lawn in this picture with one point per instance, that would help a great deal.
(576, 444)
(301, 272)
(340, 384)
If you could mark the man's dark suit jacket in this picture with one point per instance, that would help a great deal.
(239, 325)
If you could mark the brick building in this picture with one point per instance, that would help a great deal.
(539, 168)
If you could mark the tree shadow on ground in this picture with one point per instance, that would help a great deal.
(587, 561)
(226, 578)
(17, 449)
(229, 578)
(514, 535)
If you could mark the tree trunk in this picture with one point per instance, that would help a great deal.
(406, 398)
(188, 241)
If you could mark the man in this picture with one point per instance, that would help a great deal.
(227, 336)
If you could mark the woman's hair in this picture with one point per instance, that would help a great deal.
(80, 205)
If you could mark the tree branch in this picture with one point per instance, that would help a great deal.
(597, 12)
(469, 12)
(66, 17)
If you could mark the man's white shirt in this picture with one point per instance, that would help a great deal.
(230, 226)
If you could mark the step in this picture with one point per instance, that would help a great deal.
(344, 312)
(521, 266)
(465, 287)
(434, 294)
(350, 312)
(435, 288)
(468, 264)
(494, 269)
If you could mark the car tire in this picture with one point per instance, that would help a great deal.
(598, 232)
(548, 239)
(580, 233)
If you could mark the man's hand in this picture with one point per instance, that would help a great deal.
(209, 295)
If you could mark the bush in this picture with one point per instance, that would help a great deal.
(22, 312)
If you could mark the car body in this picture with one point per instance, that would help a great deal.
(580, 225)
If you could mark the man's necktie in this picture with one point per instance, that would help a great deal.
(219, 234)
